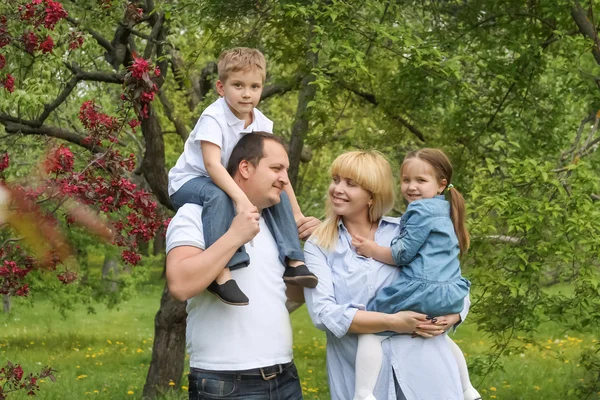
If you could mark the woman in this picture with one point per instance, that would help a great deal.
(418, 366)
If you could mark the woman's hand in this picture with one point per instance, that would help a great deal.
(436, 326)
(406, 321)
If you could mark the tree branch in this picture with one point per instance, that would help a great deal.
(373, 100)
(55, 132)
(586, 28)
(182, 131)
(99, 38)
(101, 76)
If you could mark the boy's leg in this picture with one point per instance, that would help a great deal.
(280, 220)
(469, 391)
(217, 213)
(369, 356)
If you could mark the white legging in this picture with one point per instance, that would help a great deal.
(369, 356)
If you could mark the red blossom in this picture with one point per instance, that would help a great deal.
(157, 71)
(147, 97)
(54, 13)
(30, 41)
(4, 161)
(5, 37)
(18, 372)
(9, 83)
(47, 45)
(2, 61)
(67, 277)
(139, 67)
(60, 160)
(134, 123)
(75, 40)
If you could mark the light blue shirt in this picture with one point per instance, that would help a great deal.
(425, 368)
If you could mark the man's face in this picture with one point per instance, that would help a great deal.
(242, 91)
(266, 181)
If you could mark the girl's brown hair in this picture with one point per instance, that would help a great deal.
(443, 170)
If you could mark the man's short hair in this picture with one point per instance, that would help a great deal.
(250, 148)
(241, 59)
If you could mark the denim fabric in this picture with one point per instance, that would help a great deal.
(424, 368)
(427, 248)
(218, 212)
(204, 385)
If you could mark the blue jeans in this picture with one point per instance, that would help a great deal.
(205, 385)
(218, 212)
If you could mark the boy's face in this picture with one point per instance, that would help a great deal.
(242, 91)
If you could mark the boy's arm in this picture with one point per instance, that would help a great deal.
(306, 225)
(368, 248)
(217, 172)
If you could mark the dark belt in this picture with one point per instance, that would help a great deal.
(267, 373)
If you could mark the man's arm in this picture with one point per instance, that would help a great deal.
(190, 269)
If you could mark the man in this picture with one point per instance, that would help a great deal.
(238, 352)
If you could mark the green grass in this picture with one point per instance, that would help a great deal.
(106, 355)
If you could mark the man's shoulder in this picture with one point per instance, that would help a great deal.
(187, 213)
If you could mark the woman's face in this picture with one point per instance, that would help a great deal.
(347, 197)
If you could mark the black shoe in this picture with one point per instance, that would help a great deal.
(229, 293)
(300, 276)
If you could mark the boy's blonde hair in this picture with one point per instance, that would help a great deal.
(241, 59)
(371, 171)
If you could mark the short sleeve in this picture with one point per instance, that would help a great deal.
(418, 222)
(208, 129)
(185, 229)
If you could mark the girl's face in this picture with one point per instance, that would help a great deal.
(419, 180)
(347, 197)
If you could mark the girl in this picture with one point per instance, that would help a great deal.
(420, 368)
(432, 236)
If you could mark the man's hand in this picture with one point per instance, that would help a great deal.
(245, 225)
(306, 226)
(364, 247)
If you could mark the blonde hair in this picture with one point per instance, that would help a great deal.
(241, 59)
(371, 171)
(440, 163)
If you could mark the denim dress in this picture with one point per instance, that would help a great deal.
(412, 368)
(427, 249)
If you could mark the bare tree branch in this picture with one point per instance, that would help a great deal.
(55, 132)
(586, 28)
(98, 37)
(180, 127)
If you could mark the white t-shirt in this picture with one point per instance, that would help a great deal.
(217, 125)
(224, 337)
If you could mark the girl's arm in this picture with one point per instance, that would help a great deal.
(217, 172)
(342, 318)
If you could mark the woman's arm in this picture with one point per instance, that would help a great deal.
(375, 322)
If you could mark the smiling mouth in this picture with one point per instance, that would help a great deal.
(337, 200)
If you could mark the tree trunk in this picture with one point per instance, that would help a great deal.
(300, 126)
(153, 164)
(159, 242)
(110, 270)
(168, 351)
(6, 303)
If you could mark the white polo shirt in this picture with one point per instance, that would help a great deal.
(225, 337)
(218, 125)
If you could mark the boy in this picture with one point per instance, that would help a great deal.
(200, 176)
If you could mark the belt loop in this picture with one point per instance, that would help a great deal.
(269, 376)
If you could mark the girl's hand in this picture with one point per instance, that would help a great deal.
(364, 247)
(436, 326)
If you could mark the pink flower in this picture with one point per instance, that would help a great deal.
(139, 67)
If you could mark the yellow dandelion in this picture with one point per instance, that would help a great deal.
(96, 391)
(171, 383)
(493, 388)
(536, 387)
(108, 341)
(130, 392)
(184, 388)
(140, 350)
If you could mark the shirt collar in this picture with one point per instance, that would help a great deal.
(230, 116)
(383, 220)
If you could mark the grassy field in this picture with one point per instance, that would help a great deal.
(106, 355)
